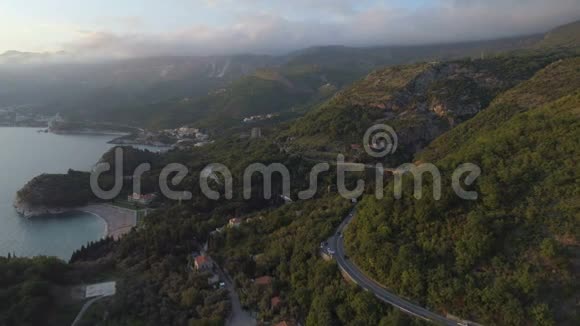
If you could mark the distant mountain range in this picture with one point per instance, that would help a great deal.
(217, 91)
(18, 57)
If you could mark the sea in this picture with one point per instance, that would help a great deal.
(26, 153)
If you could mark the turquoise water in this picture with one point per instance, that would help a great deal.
(24, 154)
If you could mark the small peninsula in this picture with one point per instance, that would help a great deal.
(54, 194)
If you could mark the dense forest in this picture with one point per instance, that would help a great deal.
(419, 101)
(510, 257)
(73, 190)
(283, 244)
(30, 291)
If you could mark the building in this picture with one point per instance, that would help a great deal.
(264, 280)
(235, 222)
(256, 118)
(201, 137)
(203, 263)
(141, 199)
(256, 133)
(187, 132)
(275, 302)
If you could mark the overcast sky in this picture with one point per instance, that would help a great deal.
(126, 28)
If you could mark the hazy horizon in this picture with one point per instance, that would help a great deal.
(107, 29)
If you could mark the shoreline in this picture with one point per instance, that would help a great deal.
(118, 221)
(106, 232)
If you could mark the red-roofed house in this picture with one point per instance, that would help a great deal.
(275, 302)
(203, 263)
(141, 199)
(263, 280)
(235, 222)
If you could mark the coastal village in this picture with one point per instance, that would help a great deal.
(181, 138)
(184, 137)
(18, 116)
(262, 117)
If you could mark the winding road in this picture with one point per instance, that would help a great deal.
(336, 244)
(84, 309)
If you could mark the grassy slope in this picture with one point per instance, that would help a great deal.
(509, 257)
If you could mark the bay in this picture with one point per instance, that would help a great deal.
(26, 153)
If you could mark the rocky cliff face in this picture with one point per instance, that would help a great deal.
(28, 210)
(437, 99)
(420, 101)
(454, 91)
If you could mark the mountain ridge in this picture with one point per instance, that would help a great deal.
(509, 256)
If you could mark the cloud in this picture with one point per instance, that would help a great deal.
(325, 7)
(123, 22)
(270, 28)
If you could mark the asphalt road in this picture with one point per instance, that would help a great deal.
(84, 309)
(336, 243)
(238, 316)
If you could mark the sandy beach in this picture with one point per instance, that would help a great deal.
(119, 221)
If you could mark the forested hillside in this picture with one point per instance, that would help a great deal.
(283, 244)
(419, 101)
(511, 256)
(30, 289)
(284, 91)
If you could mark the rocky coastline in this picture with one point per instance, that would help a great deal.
(28, 210)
